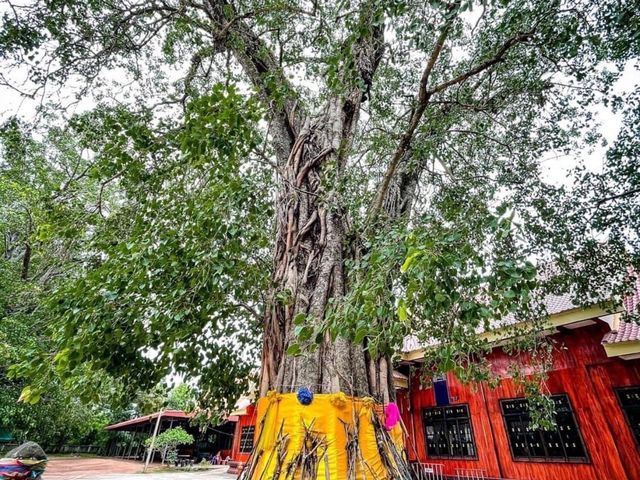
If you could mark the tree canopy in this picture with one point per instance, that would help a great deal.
(55, 417)
(321, 172)
(170, 438)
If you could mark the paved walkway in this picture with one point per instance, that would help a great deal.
(208, 475)
(71, 468)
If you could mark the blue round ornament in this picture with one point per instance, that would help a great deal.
(305, 396)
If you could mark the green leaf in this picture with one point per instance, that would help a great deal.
(408, 261)
(402, 311)
(361, 333)
(299, 319)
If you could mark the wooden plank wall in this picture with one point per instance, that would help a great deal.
(582, 371)
(604, 378)
(479, 422)
(243, 421)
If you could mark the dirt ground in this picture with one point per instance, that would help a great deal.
(72, 468)
(68, 468)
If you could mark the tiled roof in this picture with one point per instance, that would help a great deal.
(631, 302)
(626, 332)
(558, 303)
(622, 331)
(410, 343)
(399, 375)
(554, 304)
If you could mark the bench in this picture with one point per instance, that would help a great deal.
(184, 461)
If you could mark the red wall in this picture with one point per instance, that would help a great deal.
(479, 422)
(582, 371)
(243, 420)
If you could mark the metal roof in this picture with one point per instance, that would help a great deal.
(168, 414)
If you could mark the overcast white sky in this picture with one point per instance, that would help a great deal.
(556, 168)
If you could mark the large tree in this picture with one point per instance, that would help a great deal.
(385, 156)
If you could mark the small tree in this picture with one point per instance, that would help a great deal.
(168, 442)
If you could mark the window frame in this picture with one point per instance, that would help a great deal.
(468, 418)
(627, 421)
(566, 459)
(243, 438)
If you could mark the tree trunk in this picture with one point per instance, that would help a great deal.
(333, 438)
(308, 262)
(309, 256)
(308, 274)
(26, 262)
(309, 266)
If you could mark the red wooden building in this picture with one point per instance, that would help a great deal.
(480, 432)
(244, 434)
(595, 383)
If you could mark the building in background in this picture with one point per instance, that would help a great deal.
(473, 431)
(129, 436)
(595, 384)
(244, 434)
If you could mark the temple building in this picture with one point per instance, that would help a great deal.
(474, 431)
(128, 437)
(461, 431)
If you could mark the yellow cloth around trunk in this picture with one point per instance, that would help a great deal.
(282, 414)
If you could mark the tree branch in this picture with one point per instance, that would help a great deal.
(423, 101)
(262, 68)
(424, 97)
(483, 135)
(619, 195)
(497, 58)
(254, 313)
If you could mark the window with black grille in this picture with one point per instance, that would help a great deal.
(448, 432)
(629, 399)
(246, 439)
(562, 443)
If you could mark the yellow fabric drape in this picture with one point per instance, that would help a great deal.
(282, 414)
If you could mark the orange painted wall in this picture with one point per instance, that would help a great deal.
(243, 421)
(582, 371)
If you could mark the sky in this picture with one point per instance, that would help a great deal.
(556, 169)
